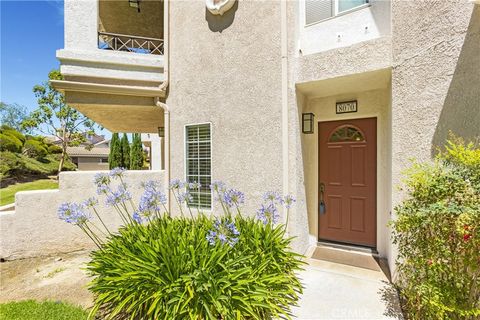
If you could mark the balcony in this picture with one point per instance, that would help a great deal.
(127, 43)
(113, 62)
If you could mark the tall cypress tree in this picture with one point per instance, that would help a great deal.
(115, 156)
(136, 153)
(125, 152)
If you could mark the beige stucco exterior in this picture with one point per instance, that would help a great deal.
(34, 228)
(254, 70)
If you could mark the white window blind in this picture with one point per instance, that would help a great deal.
(198, 163)
(318, 10)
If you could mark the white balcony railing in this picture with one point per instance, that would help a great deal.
(128, 43)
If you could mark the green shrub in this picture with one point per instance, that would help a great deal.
(45, 166)
(54, 149)
(10, 143)
(159, 267)
(35, 149)
(14, 133)
(9, 164)
(438, 236)
(12, 164)
(168, 270)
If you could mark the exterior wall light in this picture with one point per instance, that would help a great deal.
(307, 122)
(134, 4)
(161, 132)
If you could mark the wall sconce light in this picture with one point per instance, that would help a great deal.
(307, 122)
(161, 132)
(134, 4)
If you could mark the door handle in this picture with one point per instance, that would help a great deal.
(322, 209)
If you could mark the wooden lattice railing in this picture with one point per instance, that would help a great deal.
(122, 42)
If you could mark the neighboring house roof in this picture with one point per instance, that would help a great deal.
(103, 144)
(82, 152)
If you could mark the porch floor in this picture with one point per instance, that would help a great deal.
(339, 291)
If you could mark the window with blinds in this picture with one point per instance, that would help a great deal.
(198, 163)
(318, 10)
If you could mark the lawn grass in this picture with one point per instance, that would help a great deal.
(7, 195)
(48, 310)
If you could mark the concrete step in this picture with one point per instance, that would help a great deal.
(340, 258)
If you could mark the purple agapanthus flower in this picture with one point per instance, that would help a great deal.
(103, 189)
(102, 181)
(185, 197)
(73, 213)
(193, 185)
(119, 196)
(90, 202)
(272, 196)
(211, 237)
(233, 197)
(288, 201)
(176, 184)
(223, 232)
(150, 184)
(268, 213)
(136, 216)
(152, 199)
(218, 186)
(233, 229)
(117, 172)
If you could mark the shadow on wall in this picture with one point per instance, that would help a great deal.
(461, 109)
(218, 23)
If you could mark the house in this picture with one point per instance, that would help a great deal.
(92, 155)
(324, 100)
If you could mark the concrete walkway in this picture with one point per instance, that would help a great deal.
(339, 291)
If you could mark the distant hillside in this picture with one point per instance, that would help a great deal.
(23, 157)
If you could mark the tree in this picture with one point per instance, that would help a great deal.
(12, 115)
(115, 156)
(54, 117)
(136, 153)
(125, 152)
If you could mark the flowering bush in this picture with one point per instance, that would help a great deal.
(438, 236)
(188, 267)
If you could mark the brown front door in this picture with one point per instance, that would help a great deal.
(347, 176)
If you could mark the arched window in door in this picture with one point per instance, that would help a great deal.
(346, 133)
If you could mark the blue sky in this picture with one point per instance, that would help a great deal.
(31, 32)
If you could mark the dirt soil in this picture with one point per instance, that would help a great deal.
(59, 278)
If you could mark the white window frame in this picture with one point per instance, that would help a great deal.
(335, 13)
(185, 171)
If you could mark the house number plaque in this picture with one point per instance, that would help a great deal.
(346, 107)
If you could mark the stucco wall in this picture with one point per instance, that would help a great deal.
(367, 23)
(34, 228)
(226, 70)
(81, 56)
(435, 79)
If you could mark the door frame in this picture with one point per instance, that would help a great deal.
(376, 179)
